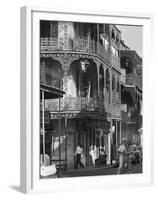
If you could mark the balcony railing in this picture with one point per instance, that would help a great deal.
(75, 104)
(49, 45)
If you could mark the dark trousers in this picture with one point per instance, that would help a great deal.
(78, 161)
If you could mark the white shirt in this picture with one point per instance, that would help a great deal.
(122, 151)
(79, 150)
(121, 148)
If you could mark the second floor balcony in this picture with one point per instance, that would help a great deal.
(75, 104)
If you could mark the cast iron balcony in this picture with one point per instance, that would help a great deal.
(86, 45)
(74, 104)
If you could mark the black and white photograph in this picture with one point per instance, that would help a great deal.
(79, 100)
(91, 120)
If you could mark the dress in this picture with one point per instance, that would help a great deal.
(123, 157)
(92, 155)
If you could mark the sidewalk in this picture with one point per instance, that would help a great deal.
(89, 171)
(95, 171)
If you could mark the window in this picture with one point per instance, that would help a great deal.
(117, 39)
(118, 85)
(113, 34)
(115, 52)
(113, 82)
(107, 80)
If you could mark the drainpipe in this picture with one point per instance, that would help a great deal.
(98, 38)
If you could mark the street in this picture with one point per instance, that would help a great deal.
(133, 169)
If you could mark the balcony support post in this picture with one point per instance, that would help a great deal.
(59, 139)
(116, 134)
(98, 38)
(104, 82)
(110, 88)
(51, 28)
(98, 66)
(104, 30)
(119, 92)
(120, 131)
(43, 72)
(43, 128)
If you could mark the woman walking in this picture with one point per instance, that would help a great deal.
(123, 157)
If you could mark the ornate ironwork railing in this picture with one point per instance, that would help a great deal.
(49, 45)
(75, 104)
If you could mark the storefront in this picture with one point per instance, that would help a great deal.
(47, 92)
(87, 129)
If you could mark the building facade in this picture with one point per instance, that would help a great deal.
(83, 60)
(131, 94)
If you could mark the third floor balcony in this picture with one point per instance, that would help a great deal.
(86, 45)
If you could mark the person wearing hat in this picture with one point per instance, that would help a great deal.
(123, 156)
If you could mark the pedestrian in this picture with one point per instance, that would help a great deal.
(123, 157)
(102, 152)
(78, 155)
(83, 159)
(92, 156)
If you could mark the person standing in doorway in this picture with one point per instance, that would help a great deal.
(78, 154)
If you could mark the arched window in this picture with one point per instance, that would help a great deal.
(108, 85)
(113, 82)
(118, 85)
(107, 80)
(117, 39)
(113, 34)
(54, 73)
(101, 79)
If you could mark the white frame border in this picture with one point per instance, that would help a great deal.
(29, 177)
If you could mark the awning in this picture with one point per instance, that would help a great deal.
(50, 92)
